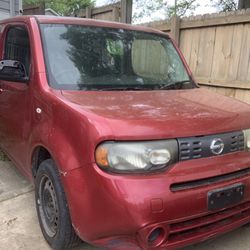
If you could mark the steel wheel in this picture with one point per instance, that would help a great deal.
(48, 206)
(52, 208)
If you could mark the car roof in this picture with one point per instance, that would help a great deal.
(80, 21)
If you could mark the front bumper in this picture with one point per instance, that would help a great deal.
(121, 211)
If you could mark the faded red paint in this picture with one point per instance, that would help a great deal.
(119, 211)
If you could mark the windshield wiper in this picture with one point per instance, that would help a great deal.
(124, 88)
(127, 88)
(174, 85)
(98, 87)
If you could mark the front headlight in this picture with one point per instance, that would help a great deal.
(247, 139)
(136, 156)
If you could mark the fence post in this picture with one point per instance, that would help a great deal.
(88, 12)
(175, 28)
(116, 14)
(126, 11)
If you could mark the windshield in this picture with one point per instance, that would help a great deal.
(94, 58)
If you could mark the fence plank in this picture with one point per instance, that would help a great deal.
(116, 14)
(194, 54)
(222, 52)
(206, 52)
(216, 20)
(245, 52)
(235, 52)
(248, 73)
(185, 44)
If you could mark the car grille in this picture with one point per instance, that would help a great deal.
(199, 147)
(210, 180)
(204, 225)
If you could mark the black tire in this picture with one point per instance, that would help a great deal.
(52, 208)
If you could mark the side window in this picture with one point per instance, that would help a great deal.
(17, 46)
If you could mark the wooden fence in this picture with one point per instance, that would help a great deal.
(118, 12)
(109, 12)
(217, 49)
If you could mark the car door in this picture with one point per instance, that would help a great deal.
(15, 97)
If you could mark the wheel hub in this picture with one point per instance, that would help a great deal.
(48, 207)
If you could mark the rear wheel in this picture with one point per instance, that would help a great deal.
(52, 208)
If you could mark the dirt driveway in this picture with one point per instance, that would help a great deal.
(19, 227)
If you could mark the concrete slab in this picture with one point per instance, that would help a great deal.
(12, 182)
(19, 228)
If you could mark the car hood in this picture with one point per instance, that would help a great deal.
(163, 114)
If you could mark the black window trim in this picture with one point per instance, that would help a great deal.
(5, 32)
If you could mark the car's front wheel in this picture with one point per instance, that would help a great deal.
(52, 208)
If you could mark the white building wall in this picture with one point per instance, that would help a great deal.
(10, 8)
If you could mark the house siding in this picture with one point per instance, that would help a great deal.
(10, 8)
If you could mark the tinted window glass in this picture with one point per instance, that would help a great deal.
(17, 46)
(94, 58)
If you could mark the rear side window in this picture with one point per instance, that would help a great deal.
(17, 46)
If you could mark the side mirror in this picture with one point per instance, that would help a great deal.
(11, 70)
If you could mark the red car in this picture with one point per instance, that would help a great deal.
(125, 150)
